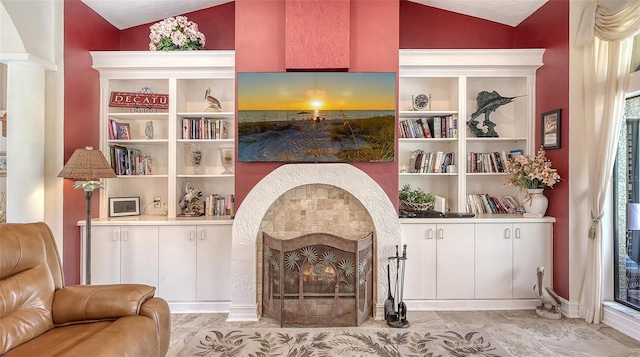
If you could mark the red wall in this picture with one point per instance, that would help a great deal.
(84, 30)
(427, 27)
(216, 23)
(548, 28)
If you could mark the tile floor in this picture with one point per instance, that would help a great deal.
(521, 332)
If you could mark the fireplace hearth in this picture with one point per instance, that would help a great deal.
(318, 279)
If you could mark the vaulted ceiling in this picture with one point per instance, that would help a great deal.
(124, 14)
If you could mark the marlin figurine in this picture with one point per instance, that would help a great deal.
(488, 102)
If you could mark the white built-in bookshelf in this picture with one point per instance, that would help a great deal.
(164, 159)
(452, 79)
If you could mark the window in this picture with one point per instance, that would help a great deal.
(627, 203)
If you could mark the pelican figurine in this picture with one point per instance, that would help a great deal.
(214, 104)
(548, 298)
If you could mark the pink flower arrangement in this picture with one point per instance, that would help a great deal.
(531, 173)
(175, 33)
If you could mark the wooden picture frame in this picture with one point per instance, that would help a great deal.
(124, 206)
(550, 129)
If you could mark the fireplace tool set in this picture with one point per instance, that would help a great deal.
(395, 310)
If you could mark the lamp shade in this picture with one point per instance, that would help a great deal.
(633, 216)
(87, 164)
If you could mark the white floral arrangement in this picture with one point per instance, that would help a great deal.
(175, 34)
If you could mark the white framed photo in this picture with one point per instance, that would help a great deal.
(124, 206)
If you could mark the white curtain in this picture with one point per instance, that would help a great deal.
(606, 32)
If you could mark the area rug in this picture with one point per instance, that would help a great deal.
(344, 342)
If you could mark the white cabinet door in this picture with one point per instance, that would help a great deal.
(105, 255)
(455, 261)
(213, 277)
(420, 269)
(177, 263)
(139, 255)
(531, 247)
(493, 267)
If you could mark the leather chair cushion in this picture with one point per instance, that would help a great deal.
(128, 336)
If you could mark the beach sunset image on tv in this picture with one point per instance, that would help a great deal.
(316, 116)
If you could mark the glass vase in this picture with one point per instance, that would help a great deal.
(196, 159)
(226, 158)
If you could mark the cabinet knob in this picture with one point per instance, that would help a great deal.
(440, 233)
(517, 232)
(116, 236)
(203, 235)
(192, 235)
(507, 233)
(125, 235)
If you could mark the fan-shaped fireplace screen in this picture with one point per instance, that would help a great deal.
(318, 279)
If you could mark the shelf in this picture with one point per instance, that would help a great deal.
(143, 176)
(210, 115)
(428, 174)
(138, 116)
(424, 113)
(428, 140)
(139, 142)
(495, 140)
(205, 176)
(204, 141)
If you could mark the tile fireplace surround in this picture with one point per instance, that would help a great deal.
(254, 214)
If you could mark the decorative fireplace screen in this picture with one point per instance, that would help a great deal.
(317, 279)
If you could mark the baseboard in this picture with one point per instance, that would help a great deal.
(614, 315)
(243, 313)
(475, 304)
(570, 309)
(199, 307)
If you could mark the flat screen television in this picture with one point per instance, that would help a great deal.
(316, 116)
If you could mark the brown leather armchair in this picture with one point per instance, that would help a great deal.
(39, 316)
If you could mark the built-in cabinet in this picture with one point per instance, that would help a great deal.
(124, 254)
(190, 265)
(480, 259)
(452, 80)
(160, 141)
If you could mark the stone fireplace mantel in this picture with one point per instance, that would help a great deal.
(246, 226)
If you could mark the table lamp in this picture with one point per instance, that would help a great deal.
(88, 165)
(633, 220)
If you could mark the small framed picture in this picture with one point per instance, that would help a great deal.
(550, 130)
(124, 206)
(124, 132)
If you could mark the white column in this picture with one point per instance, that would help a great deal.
(25, 141)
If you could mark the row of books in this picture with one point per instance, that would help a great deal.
(217, 205)
(129, 161)
(431, 162)
(119, 130)
(203, 128)
(432, 127)
(484, 162)
(484, 203)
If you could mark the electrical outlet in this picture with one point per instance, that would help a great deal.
(156, 202)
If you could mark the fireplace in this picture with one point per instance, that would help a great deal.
(255, 214)
(317, 279)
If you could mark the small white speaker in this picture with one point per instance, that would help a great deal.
(440, 204)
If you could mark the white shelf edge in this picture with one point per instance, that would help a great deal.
(133, 116)
(221, 115)
(425, 113)
(195, 141)
(428, 174)
(204, 176)
(143, 141)
(143, 176)
(427, 140)
(489, 140)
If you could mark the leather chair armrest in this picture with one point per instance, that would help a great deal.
(83, 303)
(157, 309)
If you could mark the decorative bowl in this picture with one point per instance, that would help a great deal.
(409, 206)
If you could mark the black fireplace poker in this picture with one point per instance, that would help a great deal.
(398, 317)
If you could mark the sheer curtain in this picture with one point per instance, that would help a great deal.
(606, 32)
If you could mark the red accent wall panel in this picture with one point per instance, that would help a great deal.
(216, 23)
(317, 34)
(427, 27)
(84, 31)
(548, 28)
(373, 46)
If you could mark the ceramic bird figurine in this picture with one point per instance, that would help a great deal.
(214, 104)
(550, 300)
